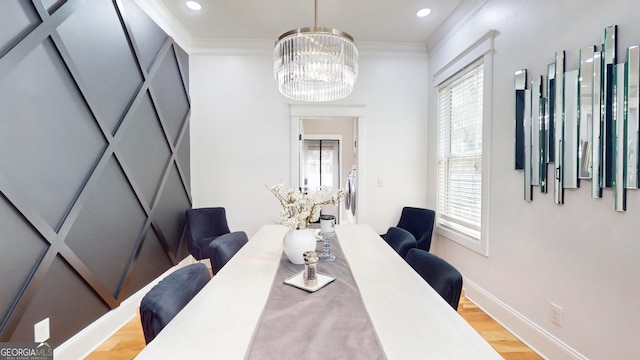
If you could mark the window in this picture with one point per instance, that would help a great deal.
(462, 100)
(460, 104)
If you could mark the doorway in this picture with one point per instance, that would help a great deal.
(330, 122)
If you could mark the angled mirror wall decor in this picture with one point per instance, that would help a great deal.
(586, 122)
(570, 131)
(609, 56)
(558, 192)
(596, 164)
(619, 197)
(632, 100)
(585, 78)
(520, 79)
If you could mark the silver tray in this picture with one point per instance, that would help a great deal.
(297, 280)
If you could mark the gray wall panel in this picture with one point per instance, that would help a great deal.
(173, 104)
(151, 263)
(17, 19)
(103, 238)
(49, 141)
(145, 149)
(27, 247)
(183, 62)
(69, 303)
(76, 237)
(147, 36)
(184, 158)
(53, 5)
(98, 47)
(169, 217)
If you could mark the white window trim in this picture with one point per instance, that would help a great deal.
(482, 48)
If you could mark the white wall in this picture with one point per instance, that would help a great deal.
(581, 255)
(240, 135)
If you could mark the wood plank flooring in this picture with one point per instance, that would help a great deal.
(129, 340)
(497, 336)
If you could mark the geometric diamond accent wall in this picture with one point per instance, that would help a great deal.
(94, 160)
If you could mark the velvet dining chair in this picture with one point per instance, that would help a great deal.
(161, 304)
(208, 236)
(419, 222)
(223, 248)
(400, 240)
(445, 279)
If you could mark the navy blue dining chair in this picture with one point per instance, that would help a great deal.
(223, 248)
(400, 240)
(445, 279)
(418, 222)
(161, 304)
(204, 225)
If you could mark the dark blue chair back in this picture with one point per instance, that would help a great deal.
(224, 247)
(418, 222)
(445, 279)
(204, 225)
(169, 296)
(400, 240)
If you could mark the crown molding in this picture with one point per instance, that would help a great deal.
(232, 46)
(260, 47)
(393, 49)
(463, 13)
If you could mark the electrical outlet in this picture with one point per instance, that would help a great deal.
(41, 331)
(380, 183)
(556, 314)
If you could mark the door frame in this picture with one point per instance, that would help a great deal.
(298, 112)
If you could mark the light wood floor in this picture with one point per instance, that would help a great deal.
(503, 341)
(129, 340)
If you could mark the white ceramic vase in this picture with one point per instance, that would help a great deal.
(296, 242)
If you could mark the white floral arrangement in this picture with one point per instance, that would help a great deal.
(298, 209)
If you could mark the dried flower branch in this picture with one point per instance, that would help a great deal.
(298, 209)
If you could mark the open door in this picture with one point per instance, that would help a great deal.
(320, 167)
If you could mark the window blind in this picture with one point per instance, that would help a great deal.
(460, 152)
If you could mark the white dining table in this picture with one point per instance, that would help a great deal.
(411, 320)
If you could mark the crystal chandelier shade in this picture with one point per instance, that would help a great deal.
(315, 64)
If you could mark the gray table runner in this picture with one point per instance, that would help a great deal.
(331, 323)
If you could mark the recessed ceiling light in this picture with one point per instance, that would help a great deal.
(423, 12)
(193, 5)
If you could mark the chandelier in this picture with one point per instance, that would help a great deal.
(315, 63)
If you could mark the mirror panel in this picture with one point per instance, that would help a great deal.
(619, 198)
(585, 121)
(558, 125)
(632, 125)
(596, 166)
(570, 136)
(607, 135)
(570, 128)
(549, 113)
(528, 196)
(536, 84)
(520, 78)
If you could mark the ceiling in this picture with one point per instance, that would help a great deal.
(384, 21)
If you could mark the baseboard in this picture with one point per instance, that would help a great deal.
(87, 340)
(535, 337)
